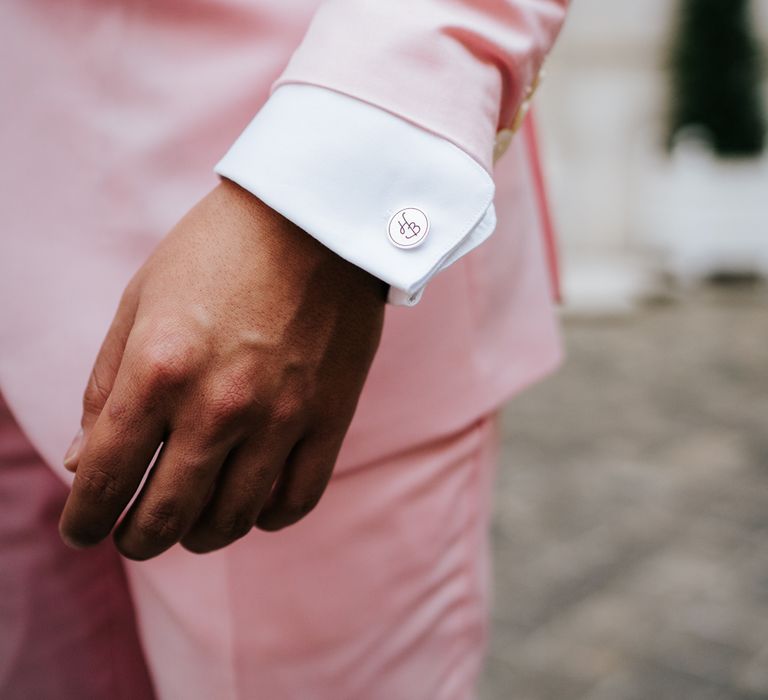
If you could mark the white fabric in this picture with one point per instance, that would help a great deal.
(340, 168)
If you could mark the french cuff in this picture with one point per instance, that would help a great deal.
(388, 196)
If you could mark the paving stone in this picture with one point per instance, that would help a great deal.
(631, 522)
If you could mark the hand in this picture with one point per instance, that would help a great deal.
(242, 346)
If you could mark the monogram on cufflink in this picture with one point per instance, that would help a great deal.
(408, 228)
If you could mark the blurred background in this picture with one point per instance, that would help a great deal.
(631, 529)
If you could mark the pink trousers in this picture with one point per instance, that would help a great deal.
(67, 625)
(380, 594)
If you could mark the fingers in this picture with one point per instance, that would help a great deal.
(302, 482)
(112, 463)
(244, 486)
(173, 497)
(129, 429)
(103, 374)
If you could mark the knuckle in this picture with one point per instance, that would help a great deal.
(161, 523)
(97, 484)
(227, 404)
(167, 362)
(287, 411)
(231, 526)
(193, 471)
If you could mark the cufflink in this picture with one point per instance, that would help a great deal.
(504, 136)
(408, 228)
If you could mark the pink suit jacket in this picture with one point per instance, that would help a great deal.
(118, 112)
(115, 113)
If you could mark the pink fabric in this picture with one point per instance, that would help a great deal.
(67, 628)
(117, 113)
(387, 601)
(459, 68)
(381, 593)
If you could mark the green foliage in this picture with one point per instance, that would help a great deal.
(716, 77)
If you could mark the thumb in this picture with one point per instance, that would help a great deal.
(103, 374)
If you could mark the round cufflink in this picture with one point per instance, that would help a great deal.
(408, 228)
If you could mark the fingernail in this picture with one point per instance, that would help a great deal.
(70, 459)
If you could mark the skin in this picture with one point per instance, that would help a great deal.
(242, 346)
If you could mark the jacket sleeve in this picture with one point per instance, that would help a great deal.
(378, 138)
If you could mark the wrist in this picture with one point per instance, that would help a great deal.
(303, 257)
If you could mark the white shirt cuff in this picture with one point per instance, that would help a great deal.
(343, 170)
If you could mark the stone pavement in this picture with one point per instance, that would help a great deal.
(631, 530)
